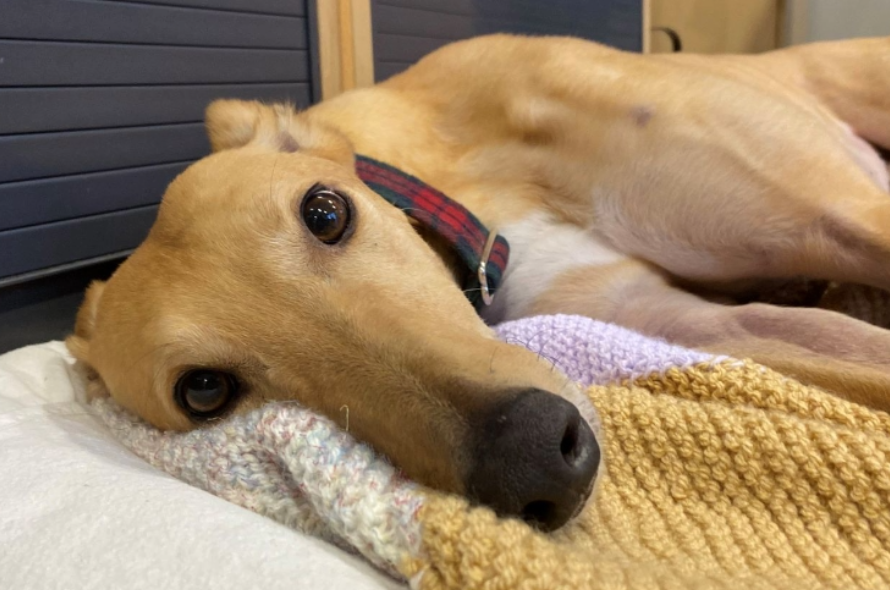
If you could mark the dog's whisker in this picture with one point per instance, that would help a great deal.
(272, 175)
(491, 360)
(538, 350)
(346, 407)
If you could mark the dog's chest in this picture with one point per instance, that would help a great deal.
(542, 249)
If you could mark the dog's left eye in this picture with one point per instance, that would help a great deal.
(204, 393)
(326, 214)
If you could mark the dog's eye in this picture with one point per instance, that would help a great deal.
(326, 214)
(204, 392)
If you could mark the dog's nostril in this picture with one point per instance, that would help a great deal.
(569, 447)
(539, 512)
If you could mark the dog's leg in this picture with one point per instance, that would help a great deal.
(703, 165)
(845, 356)
(822, 217)
(852, 78)
(767, 185)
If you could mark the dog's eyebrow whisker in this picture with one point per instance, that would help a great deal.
(346, 407)
(491, 360)
(538, 350)
(272, 175)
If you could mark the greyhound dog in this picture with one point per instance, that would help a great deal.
(354, 254)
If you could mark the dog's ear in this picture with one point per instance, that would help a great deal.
(236, 123)
(79, 342)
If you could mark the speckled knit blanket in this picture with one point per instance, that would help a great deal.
(719, 474)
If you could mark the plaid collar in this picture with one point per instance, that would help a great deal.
(485, 253)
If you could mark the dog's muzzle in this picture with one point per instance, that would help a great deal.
(535, 458)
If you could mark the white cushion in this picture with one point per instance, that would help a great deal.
(77, 510)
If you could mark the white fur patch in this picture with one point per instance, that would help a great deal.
(542, 249)
(867, 158)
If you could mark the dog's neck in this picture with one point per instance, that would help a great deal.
(455, 266)
(476, 256)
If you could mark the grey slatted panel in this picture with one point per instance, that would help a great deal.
(406, 30)
(89, 20)
(44, 310)
(393, 48)
(24, 157)
(436, 25)
(81, 195)
(274, 7)
(387, 69)
(100, 107)
(27, 63)
(465, 7)
(527, 12)
(28, 110)
(28, 249)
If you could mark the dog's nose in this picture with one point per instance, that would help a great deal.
(535, 458)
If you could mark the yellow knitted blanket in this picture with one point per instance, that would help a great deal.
(722, 475)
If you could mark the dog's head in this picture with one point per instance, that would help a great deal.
(273, 273)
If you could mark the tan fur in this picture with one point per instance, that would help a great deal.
(710, 171)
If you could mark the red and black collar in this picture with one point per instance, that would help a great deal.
(484, 252)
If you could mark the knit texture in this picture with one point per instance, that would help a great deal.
(718, 474)
(293, 466)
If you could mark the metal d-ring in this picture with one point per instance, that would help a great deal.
(487, 295)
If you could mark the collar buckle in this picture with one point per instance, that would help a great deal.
(482, 273)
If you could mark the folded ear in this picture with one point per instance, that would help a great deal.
(79, 342)
(236, 123)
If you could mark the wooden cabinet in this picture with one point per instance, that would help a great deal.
(715, 26)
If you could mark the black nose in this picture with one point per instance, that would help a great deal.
(536, 458)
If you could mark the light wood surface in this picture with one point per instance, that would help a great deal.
(346, 51)
(716, 26)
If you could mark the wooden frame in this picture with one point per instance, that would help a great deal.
(345, 46)
(647, 26)
(793, 22)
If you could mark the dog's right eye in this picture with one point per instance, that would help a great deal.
(326, 214)
(205, 393)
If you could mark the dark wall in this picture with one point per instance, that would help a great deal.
(406, 30)
(101, 105)
(44, 309)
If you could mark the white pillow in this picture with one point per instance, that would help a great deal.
(77, 510)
